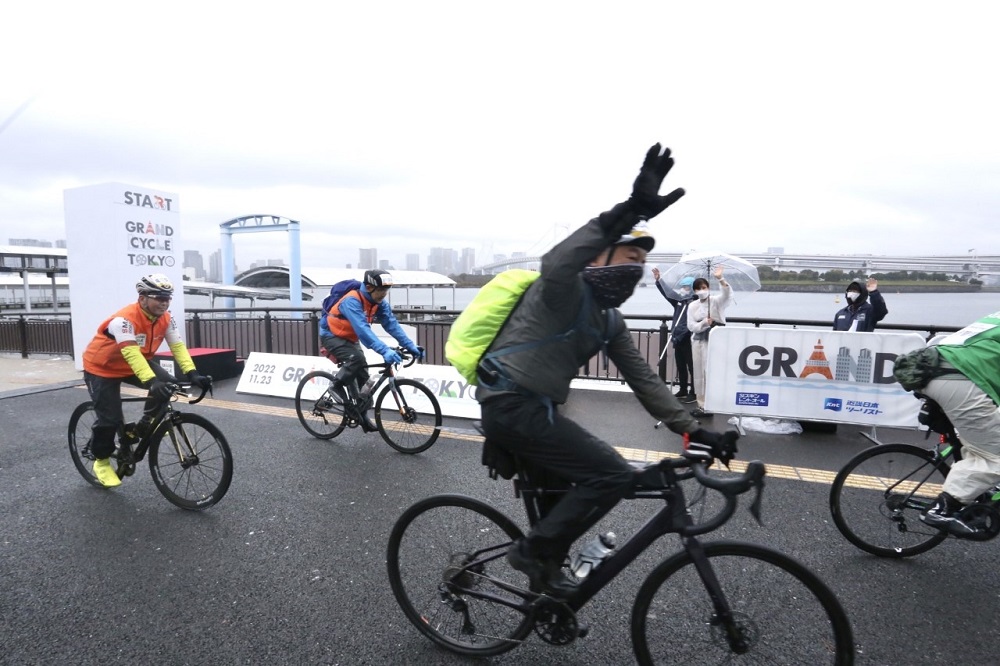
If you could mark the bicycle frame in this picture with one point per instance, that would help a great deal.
(672, 518)
(132, 453)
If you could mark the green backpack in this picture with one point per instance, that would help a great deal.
(915, 369)
(478, 325)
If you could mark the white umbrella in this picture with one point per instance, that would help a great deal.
(738, 272)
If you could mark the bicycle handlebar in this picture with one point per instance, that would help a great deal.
(180, 388)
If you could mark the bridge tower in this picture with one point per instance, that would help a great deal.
(249, 224)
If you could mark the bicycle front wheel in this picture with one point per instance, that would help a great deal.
(81, 425)
(449, 573)
(877, 498)
(782, 613)
(322, 418)
(190, 461)
(408, 416)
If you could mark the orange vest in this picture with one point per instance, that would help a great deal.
(103, 357)
(338, 323)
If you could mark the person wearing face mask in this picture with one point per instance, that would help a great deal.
(680, 336)
(865, 308)
(705, 312)
(563, 319)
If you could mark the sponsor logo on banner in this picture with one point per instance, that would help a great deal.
(751, 399)
(819, 375)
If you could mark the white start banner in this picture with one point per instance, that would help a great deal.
(840, 377)
(116, 234)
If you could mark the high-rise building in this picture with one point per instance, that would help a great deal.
(442, 260)
(369, 258)
(384, 264)
(215, 266)
(468, 260)
(413, 262)
(194, 261)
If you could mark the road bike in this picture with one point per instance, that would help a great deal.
(407, 414)
(189, 457)
(877, 497)
(712, 602)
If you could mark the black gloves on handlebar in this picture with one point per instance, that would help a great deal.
(160, 389)
(199, 380)
(721, 446)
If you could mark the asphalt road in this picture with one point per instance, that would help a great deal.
(290, 567)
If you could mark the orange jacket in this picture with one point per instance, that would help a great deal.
(103, 356)
(340, 326)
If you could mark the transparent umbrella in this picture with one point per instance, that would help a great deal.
(738, 272)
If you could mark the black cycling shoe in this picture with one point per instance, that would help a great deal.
(544, 575)
(366, 424)
(944, 515)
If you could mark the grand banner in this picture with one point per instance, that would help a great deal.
(115, 234)
(839, 377)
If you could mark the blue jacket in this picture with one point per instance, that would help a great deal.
(355, 314)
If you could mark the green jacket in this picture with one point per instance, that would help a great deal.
(975, 352)
(550, 306)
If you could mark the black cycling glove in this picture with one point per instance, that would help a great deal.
(199, 380)
(721, 446)
(160, 389)
(646, 200)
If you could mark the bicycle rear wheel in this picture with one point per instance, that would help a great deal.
(877, 498)
(81, 425)
(190, 461)
(430, 548)
(322, 418)
(408, 416)
(783, 613)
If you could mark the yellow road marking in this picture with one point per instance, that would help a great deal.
(636, 455)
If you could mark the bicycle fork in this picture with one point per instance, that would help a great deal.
(186, 455)
(723, 616)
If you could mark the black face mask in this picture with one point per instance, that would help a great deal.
(612, 285)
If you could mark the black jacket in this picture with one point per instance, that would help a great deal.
(867, 314)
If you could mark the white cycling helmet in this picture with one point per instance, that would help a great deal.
(156, 284)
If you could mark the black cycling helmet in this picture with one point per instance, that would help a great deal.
(377, 278)
(156, 284)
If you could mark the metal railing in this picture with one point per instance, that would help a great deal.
(287, 331)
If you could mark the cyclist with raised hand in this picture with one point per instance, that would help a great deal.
(584, 279)
(120, 352)
(350, 325)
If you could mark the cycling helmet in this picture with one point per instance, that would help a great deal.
(156, 284)
(377, 278)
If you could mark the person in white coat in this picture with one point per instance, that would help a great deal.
(705, 312)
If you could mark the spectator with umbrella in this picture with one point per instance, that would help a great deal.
(704, 313)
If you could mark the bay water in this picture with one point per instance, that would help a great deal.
(919, 309)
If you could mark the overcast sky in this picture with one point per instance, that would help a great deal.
(841, 128)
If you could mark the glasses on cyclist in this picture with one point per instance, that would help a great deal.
(161, 299)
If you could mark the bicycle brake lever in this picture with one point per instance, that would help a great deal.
(755, 506)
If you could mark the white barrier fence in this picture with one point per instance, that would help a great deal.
(839, 377)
